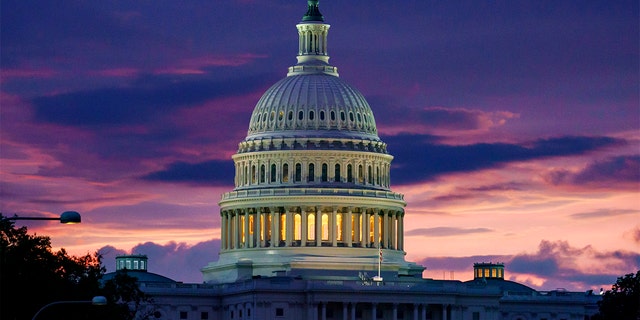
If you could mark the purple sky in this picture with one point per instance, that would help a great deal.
(514, 125)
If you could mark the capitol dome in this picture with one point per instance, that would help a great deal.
(316, 105)
(312, 181)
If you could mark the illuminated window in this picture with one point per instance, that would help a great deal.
(242, 224)
(494, 273)
(381, 227)
(325, 227)
(371, 229)
(297, 231)
(283, 226)
(339, 226)
(311, 226)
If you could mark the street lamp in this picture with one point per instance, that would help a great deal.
(96, 301)
(67, 217)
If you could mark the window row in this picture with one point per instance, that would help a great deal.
(267, 119)
(248, 173)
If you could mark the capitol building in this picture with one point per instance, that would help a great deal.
(313, 230)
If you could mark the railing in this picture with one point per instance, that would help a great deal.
(311, 191)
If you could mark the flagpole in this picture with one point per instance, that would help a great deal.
(379, 278)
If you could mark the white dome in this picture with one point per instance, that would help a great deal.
(316, 105)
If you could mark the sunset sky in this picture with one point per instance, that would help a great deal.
(514, 125)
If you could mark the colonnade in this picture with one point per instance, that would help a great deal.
(393, 311)
(312, 226)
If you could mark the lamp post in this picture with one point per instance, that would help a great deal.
(96, 301)
(67, 217)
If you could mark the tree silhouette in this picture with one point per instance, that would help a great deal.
(622, 302)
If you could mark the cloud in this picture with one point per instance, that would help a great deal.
(444, 231)
(438, 120)
(613, 172)
(419, 160)
(603, 213)
(177, 261)
(147, 98)
(213, 172)
(556, 263)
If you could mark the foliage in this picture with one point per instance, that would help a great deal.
(622, 302)
(32, 275)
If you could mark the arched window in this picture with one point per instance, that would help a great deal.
(283, 227)
(300, 115)
(285, 173)
(298, 176)
(337, 173)
(371, 229)
(360, 175)
(378, 175)
(349, 173)
(262, 175)
(322, 115)
(253, 174)
(246, 176)
(325, 174)
(312, 174)
(369, 175)
(311, 115)
(311, 226)
(333, 115)
(273, 173)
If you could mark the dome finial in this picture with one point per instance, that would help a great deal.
(313, 13)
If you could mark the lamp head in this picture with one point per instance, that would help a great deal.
(69, 217)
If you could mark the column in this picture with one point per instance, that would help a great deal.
(394, 312)
(289, 227)
(444, 312)
(318, 226)
(333, 230)
(223, 222)
(303, 227)
(356, 227)
(415, 311)
(365, 228)
(263, 227)
(275, 227)
(374, 311)
(424, 312)
(394, 231)
(344, 311)
(353, 310)
(348, 228)
(323, 311)
(256, 228)
(401, 231)
(235, 229)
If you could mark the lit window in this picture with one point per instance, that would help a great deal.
(297, 232)
(311, 226)
(325, 227)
